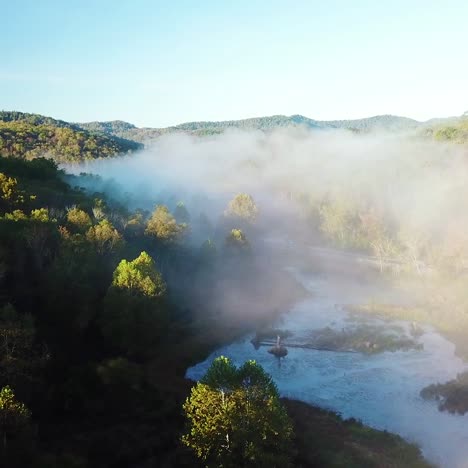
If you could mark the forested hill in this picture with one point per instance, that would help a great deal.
(452, 129)
(31, 135)
(121, 129)
(131, 132)
(389, 122)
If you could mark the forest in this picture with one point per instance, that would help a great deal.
(30, 135)
(108, 295)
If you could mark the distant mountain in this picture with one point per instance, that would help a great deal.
(129, 131)
(114, 126)
(34, 119)
(32, 135)
(125, 130)
(256, 123)
(378, 122)
(388, 122)
(453, 130)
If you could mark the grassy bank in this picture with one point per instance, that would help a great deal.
(323, 439)
(454, 331)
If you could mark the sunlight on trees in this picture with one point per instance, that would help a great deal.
(235, 418)
(79, 219)
(236, 239)
(104, 237)
(139, 277)
(14, 416)
(242, 206)
(164, 226)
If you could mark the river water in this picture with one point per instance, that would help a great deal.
(382, 390)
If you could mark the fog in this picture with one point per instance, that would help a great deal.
(398, 197)
(413, 181)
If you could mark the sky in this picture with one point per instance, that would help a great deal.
(158, 63)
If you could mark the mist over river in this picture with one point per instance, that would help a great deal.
(381, 389)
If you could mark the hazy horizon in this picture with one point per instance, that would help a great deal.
(123, 119)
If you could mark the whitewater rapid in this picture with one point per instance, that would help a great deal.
(381, 390)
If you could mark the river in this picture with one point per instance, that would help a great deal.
(382, 390)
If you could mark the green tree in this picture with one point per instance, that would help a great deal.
(139, 277)
(134, 316)
(235, 418)
(20, 357)
(242, 206)
(164, 226)
(79, 219)
(16, 215)
(340, 223)
(104, 237)
(181, 213)
(41, 214)
(10, 195)
(208, 252)
(14, 416)
(236, 239)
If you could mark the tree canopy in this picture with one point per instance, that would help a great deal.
(30, 136)
(242, 206)
(139, 277)
(164, 226)
(235, 418)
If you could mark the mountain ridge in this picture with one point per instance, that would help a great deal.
(31, 135)
(200, 128)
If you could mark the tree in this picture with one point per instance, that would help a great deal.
(208, 252)
(338, 221)
(415, 245)
(104, 237)
(135, 316)
(204, 224)
(236, 239)
(14, 416)
(164, 226)
(79, 219)
(235, 418)
(10, 195)
(139, 277)
(135, 225)
(242, 206)
(20, 357)
(377, 237)
(41, 236)
(181, 213)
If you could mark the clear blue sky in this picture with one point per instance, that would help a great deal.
(158, 63)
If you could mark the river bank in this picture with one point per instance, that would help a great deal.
(324, 439)
(380, 389)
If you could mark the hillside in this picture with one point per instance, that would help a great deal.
(31, 135)
(388, 122)
(129, 131)
(121, 129)
(455, 131)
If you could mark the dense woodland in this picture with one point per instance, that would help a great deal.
(88, 322)
(34, 135)
(30, 136)
(95, 339)
(102, 309)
